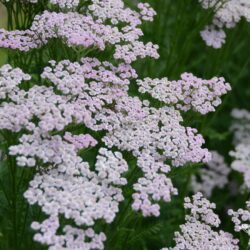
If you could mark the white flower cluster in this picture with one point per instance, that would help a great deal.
(213, 175)
(227, 14)
(110, 166)
(188, 93)
(9, 79)
(53, 111)
(198, 232)
(80, 141)
(157, 131)
(63, 4)
(241, 153)
(94, 95)
(90, 30)
(76, 192)
(66, 4)
(241, 126)
(241, 219)
(72, 238)
(213, 36)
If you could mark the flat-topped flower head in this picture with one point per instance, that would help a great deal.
(199, 231)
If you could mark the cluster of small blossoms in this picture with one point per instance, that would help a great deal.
(154, 138)
(9, 79)
(65, 4)
(188, 93)
(213, 175)
(241, 219)
(132, 124)
(94, 95)
(72, 238)
(227, 14)
(241, 163)
(80, 141)
(116, 12)
(241, 126)
(198, 232)
(90, 30)
(213, 36)
(79, 194)
(241, 153)
(154, 186)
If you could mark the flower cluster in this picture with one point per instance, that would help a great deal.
(80, 141)
(76, 192)
(9, 79)
(157, 130)
(72, 238)
(90, 30)
(65, 4)
(188, 93)
(241, 153)
(198, 232)
(227, 15)
(213, 175)
(241, 219)
(94, 95)
(241, 126)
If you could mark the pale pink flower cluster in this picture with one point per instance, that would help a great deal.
(9, 79)
(226, 15)
(213, 175)
(241, 153)
(241, 219)
(198, 232)
(241, 126)
(158, 130)
(65, 4)
(72, 238)
(131, 124)
(80, 141)
(213, 36)
(94, 95)
(188, 93)
(76, 192)
(116, 12)
(90, 30)
(241, 163)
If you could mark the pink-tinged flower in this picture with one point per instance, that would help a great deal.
(241, 219)
(199, 231)
(213, 175)
(190, 92)
(226, 15)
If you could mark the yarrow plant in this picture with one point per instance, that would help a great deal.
(75, 124)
